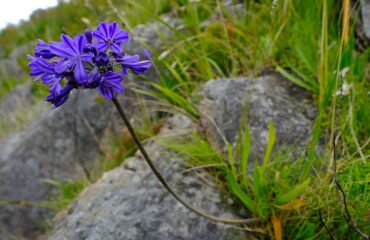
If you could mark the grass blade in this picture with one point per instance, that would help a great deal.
(293, 194)
(235, 188)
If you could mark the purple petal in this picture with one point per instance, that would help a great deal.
(132, 62)
(99, 36)
(87, 56)
(80, 73)
(56, 88)
(106, 92)
(112, 78)
(124, 71)
(140, 67)
(104, 29)
(129, 59)
(110, 84)
(60, 50)
(116, 48)
(49, 79)
(40, 68)
(36, 73)
(38, 77)
(121, 37)
(63, 66)
(94, 75)
(68, 41)
(57, 98)
(44, 65)
(113, 28)
(88, 35)
(81, 42)
(43, 50)
(35, 70)
(101, 46)
(102, 59)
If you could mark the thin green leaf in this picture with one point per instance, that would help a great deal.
(294, 79)
(293, 194)
(231, 158)
(235, 188)
(258, 183)
(270, 144)
(245, 156)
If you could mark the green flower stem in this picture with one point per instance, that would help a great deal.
(165, 183)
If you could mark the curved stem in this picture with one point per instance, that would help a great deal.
(165, 183)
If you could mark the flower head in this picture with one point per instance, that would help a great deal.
(74, 54)
(110, 36)
(86, 61)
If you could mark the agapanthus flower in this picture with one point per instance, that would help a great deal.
(91, 60)
(74, 55)
(110, 36)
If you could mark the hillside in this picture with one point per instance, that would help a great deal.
(251, 109)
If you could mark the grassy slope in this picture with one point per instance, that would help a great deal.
(301, 39)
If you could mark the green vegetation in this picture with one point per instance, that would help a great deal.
(306, 41)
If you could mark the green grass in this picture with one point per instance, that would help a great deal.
(304, 41)
(67, 191)
(281, 188)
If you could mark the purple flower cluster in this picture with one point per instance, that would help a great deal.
(88, 60)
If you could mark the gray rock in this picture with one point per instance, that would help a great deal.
(8, 236)
(258, 101)
(234, 8)
(10, 65)
(365, 14)
(57, 146)
(130, 203)
(147, 36)
(19, 98)
(20, 95)
(151, 34)
(17, 109)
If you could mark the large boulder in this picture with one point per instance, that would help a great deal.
(230, 104)
(59, 145)
(130, 203)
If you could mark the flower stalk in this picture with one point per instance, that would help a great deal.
(165, 183)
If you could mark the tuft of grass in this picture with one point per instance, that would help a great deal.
(279, 191)
(67, 192)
